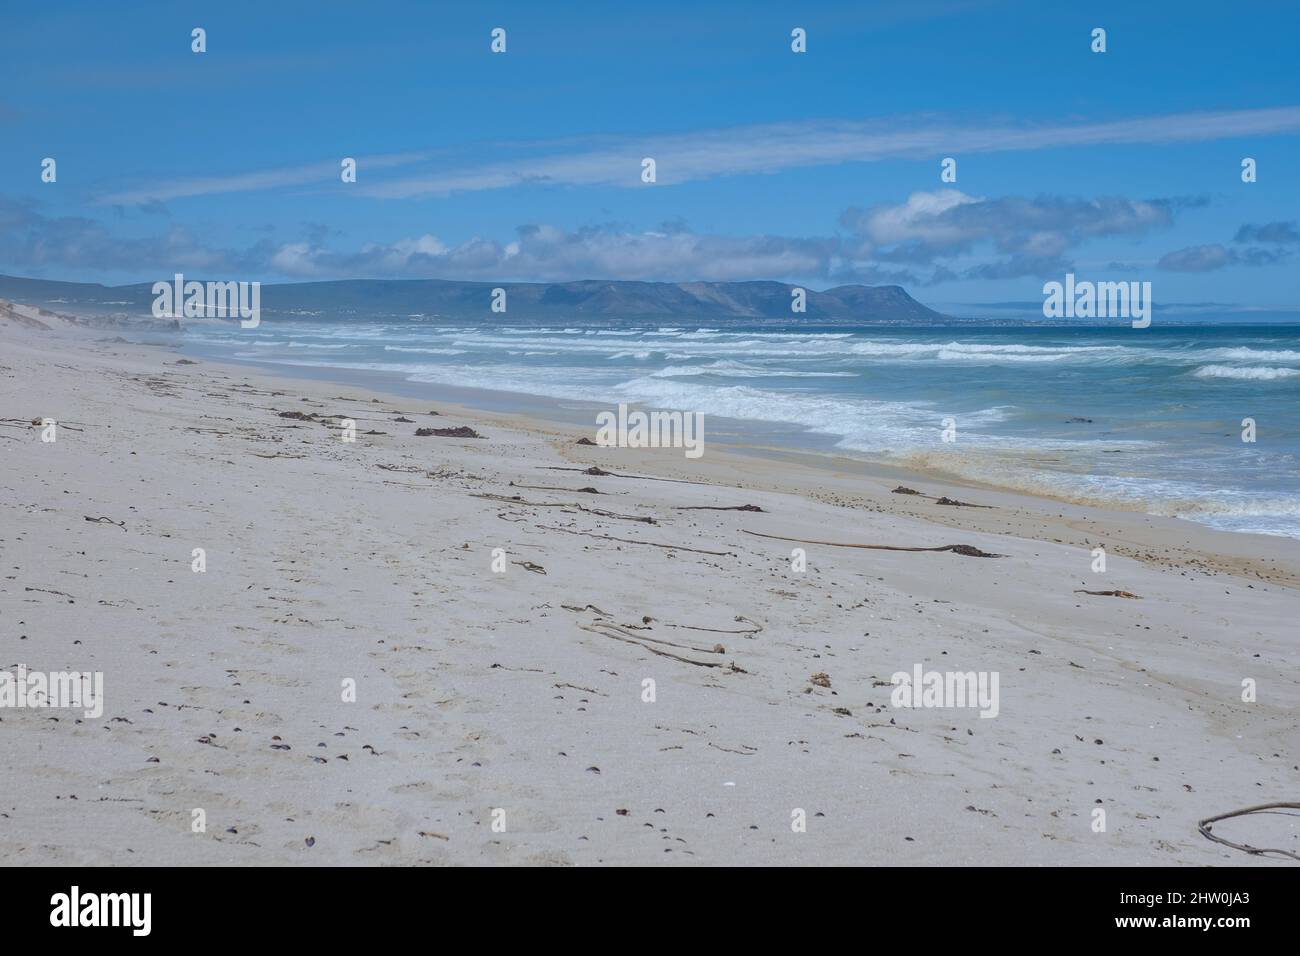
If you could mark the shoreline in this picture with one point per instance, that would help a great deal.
(1086, 522)
(523, 691)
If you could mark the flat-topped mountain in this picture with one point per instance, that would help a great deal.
(550, 301)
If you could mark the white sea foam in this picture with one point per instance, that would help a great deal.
(1246, 373)
(1244, 354)
(888, 395)
(727, 368)
(423, 350)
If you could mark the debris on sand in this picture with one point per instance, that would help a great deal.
(650, 544)
(820, 679)
(588, 490)
(460, 431)
(720, 508)
(613, 631)
(1119, 594)
(104, 520)
(1206, 829)
(518, 500)
(942, 500)
(610, 474)
(967, 550)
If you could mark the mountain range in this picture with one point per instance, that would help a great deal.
(590, 299)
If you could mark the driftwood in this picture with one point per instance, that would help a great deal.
(1123, 594)
(1204, 826)
(651, 544)
(529, 566)
(967, 550)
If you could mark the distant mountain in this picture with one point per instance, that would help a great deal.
(590, 299)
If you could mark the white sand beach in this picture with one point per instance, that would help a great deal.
(518, 698)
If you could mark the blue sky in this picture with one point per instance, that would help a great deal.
(820, 168)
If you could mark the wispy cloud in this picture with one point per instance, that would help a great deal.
(325, 171)
(770, 148)
(744, 150)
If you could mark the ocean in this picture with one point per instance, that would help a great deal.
(1148, 420)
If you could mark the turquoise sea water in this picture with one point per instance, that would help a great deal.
(1147, 419)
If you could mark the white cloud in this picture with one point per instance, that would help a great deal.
(325, 171)
(745, 150)
(920, 218)
(770, 148)
(1032, 234)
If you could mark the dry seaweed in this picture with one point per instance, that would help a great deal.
(966, 550)
(103, 520)
(1204, 826)
(720, 508)
(650, 544)
(460, 431)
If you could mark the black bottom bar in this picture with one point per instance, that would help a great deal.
(336, 906)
